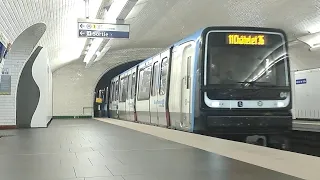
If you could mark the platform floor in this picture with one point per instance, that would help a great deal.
(95, 150)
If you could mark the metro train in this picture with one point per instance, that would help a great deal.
(220, 80)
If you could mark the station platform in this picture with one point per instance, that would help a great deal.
(107, 149)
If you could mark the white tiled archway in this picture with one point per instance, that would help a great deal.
(21, 49)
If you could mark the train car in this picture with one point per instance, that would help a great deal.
(122, 95)
(220, 80)
(114, 97)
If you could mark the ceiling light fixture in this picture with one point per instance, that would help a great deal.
(93, 49)
(115, 13)
(103, 52)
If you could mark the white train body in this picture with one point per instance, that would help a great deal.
(174, 88)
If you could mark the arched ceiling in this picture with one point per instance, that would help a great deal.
(154, 23)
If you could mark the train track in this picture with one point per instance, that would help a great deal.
(305, 143)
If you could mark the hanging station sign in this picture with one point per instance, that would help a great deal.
(97, 28)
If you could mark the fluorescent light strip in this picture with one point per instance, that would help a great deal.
(115, 10)
(94, 7)
(102, 53)
(93, 49)
(110, 17)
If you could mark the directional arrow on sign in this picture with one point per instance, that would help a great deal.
(81, 25)
(82, 33)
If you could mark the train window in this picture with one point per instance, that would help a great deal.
(117, 90)
(163, 76)
(188, 71)
(133, 85)
(144, 83)
(124, 89)
(111, 92)
(155, 75)
(121, 90)
(129, 86)
(114, 92)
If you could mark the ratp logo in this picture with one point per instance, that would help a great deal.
(159, 102)
(301, 81)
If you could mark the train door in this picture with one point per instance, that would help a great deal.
(128, 99)
(123, 97)
(106, 103)
(143, 93)
(116, 101)
(163, 73)
(154, 92)
(110, 108)
(187, 57)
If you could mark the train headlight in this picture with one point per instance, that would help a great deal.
(215, 104)
(280, 104)
(283, 94)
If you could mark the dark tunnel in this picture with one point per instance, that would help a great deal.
(101, 90)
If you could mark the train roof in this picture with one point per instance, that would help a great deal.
(198, 33)
(193, 36)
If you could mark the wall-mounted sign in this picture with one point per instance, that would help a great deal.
(97, 28)
(301, 81)
(5, 84)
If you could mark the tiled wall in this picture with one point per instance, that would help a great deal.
(73, 85)
(72, 90)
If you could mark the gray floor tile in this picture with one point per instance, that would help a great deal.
(81, 149)
(76, 162)
(90, 154)
(105, 161)
(106, 178)
(121, 169)
(37, 172)
(92, 171)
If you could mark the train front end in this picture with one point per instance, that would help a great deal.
(246, 86)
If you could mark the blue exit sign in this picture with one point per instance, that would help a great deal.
(301, 81)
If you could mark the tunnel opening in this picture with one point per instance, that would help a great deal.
(101, 93)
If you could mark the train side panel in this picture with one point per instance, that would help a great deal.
(114, 97)
(198, 124)
(163, 88)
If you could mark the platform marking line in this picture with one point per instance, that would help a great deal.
(290, 163)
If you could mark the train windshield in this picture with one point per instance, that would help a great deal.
(235, 59)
